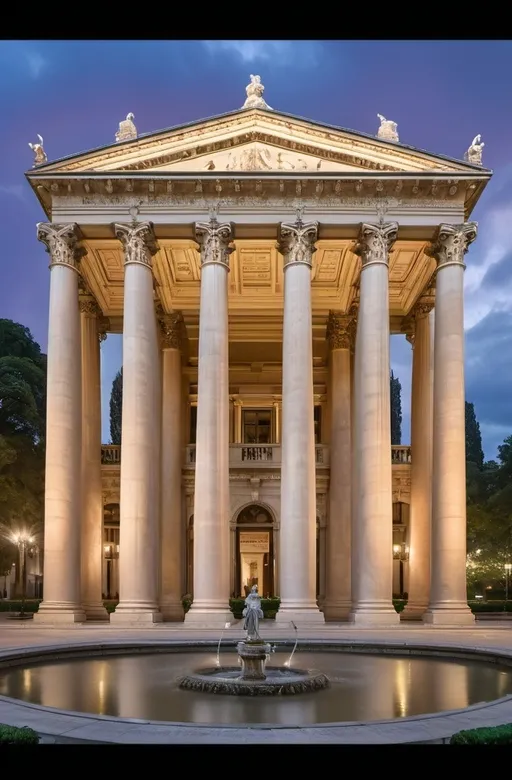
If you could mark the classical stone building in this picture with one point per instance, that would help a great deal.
(256, 264)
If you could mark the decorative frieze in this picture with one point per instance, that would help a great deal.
(214, 239)
(171, 328)
(451, 243)
(139, 242)
(297, 241)
(375, 242)
(341, 330)
(62, 243)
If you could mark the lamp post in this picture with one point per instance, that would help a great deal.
(508, 569)
(401, 554)
(22, 539)
(111, 553)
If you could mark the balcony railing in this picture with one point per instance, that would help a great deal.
(257, 455)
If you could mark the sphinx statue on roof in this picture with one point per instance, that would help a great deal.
(474, 153)
(388, 130)
(254, 92)
(127, 130)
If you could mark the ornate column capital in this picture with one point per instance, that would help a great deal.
(214, 241)
(103, 327)
(139, 242)
(62, 243)
(341, 330)
(88, 305)
(374, 242)
(296, 242)
(451, 243)
(171, 328)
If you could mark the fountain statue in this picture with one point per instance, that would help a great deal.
(252, 614)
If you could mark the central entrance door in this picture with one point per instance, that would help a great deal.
(254, 554)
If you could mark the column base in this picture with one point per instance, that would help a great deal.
(95, 611)
(302, 616)
(450, 614)
(337, 611)
(209, 617)
(132, 615)
(413, 612)
(51, 613)
(375, 616)
(172, 611)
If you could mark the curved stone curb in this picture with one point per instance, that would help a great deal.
(66, 726)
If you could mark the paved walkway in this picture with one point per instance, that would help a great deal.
(59, 726)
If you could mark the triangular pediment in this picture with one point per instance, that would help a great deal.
(256, 140)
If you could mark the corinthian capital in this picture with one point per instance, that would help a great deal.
(296, 242)
(214, 239)
(451, 243)
(62, 243)
(341, 330)
(139, 242)
(171, 328)
(375, 241)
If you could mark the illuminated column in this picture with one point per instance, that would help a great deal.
(211, 496)
(63, 489)
(340, 334)
(448, 599)
(298, 477)
(372, 524)
(421, 462)
(92, 502)
(171, 458)
(139, 545)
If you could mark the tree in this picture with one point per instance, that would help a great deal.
(396, 409)
(116, 408)
(474, 451)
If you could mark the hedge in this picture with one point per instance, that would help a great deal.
(490, 606)
(270, 607)
(31, 605)
(12, 735)
(488, 735)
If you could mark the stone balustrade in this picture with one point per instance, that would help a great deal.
(400, 454)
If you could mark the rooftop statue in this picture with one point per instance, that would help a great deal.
(39, 153)
(254, 92)
(388, 130)
(474, 153)
(252, 613)
(127, 130)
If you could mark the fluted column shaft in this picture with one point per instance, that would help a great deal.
(448, 598)
(372, 529)
(211, 495)
(92, 503)
(171, 458)
(421, 463)
(139, 547)
(63, 494)
(340, 333)
(297, 564)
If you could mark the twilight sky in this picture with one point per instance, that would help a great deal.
(441, 94)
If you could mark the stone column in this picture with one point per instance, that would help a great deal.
(448, 599)
(92, 501)
(372, 525)
(139, 544)
(298, 475)
(237, 405)
(63, 494)
(340, 334)
(421, 463)
(211, 493)
(171, 458)
(277, 421)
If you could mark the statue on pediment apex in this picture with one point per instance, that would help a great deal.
(254, 92)
(474, 153)
(388, 130)
(39, 153)
(127, 130)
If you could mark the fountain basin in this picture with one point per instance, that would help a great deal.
(278, 681)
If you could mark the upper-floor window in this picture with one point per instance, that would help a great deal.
(257, 426)
(318, 424)
(193, 424)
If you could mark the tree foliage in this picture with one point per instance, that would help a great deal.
(474, 451)
(396, 409)
(116, 408)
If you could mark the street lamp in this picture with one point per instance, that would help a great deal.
(508, 569)
(401, 554)
(22, 539)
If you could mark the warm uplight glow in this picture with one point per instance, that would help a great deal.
(396, 549)
(508, 567)
(22, 537)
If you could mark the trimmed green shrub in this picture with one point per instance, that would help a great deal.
(488, 735)
(269, 606)
(31, 605)
(490, 606)
(12, 735)
(399, 604)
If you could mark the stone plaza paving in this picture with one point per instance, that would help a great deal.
(58, 726)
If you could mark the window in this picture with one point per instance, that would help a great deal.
(318, 424)
(193, 424)
(257, 426)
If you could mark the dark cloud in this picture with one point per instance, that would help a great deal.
(499, 273)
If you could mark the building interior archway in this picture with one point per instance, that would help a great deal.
(254, 551)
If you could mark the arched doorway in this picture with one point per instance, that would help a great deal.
(254, 553)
